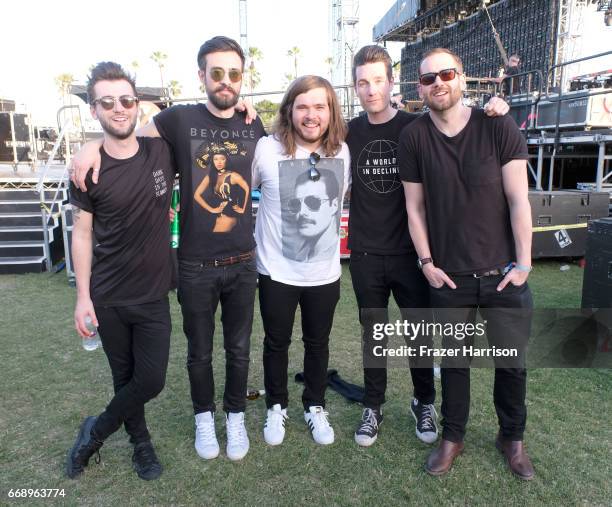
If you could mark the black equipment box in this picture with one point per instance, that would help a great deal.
(15, 137)
(560, 220)
(597, 284)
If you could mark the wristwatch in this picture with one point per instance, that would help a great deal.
(422, 262)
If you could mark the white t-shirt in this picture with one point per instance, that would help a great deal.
(297, 229)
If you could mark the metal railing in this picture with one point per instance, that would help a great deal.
(47, 212)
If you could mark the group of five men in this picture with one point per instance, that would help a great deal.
(303, 171)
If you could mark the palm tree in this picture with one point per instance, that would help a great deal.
(174, 89)
(294, 52)
(255, 54)
(135, 66)
(289, 78)
(329, 61)
(63, 83)
(159, 57)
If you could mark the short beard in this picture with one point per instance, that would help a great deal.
(455, 96)
(113, 132)
(222, 103)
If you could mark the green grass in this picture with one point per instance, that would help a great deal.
(49, 383)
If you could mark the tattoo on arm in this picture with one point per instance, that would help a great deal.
(76, 213)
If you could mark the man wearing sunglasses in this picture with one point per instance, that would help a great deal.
(125, 293)
(383, 260)
(465, 180)
(216, 264)
(316, 214)
(303, 170)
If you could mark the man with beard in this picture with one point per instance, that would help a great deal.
(383, 260)
(215, 266)
(304, 164)
(457, 163)
(126, 293)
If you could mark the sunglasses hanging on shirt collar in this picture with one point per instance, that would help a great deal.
(314, 160)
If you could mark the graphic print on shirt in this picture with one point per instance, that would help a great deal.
(377, 166)
(310, 210)
(222, 194)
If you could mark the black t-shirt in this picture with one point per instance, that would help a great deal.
(377, 221)
(131, 257)
(468, 218)
(216, 219)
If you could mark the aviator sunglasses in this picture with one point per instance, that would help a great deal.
(445, 75)
(314, 172)
(312, 202)
(108, 102)
(218, 73)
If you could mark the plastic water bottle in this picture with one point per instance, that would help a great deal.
(91, 342)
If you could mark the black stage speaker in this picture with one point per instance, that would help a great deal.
(597, 284)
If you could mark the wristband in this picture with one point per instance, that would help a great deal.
(520, 267)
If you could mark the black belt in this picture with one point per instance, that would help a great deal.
(228, 261)
(480, 274)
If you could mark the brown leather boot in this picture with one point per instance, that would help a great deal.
(516, 457)
(441, 458)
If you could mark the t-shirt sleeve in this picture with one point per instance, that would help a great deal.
(407, 158)
(261, 131)
(510, 140)
(255, 168)
(167, 122)
(81, 199)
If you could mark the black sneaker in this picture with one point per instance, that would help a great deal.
(425, 417)
(145, 461)
(367, 431)
(85, 446)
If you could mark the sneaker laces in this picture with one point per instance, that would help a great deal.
(427, 417)
(320, 418)
(236, 430)
(368, 420)
(206, 430)
(276, 419)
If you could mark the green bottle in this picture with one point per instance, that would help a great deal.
(174, 226)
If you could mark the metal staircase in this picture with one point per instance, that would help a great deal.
(23, 248)
(32, 239)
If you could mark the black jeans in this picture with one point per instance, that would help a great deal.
(136, 340)
(278, 303)
(374, 278)
(510, 384)
(200, 291)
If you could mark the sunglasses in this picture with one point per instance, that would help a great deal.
(445, 75)
(312, 202)
(314, 172)
(108, 102)
(218, 73)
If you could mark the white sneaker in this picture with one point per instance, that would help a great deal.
(322, 432)
(206, 444)
(237, 438)
(274, 429)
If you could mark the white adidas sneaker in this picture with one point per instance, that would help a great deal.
(237, 438)
(206, 444)
(319, 426)
(274, 429)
